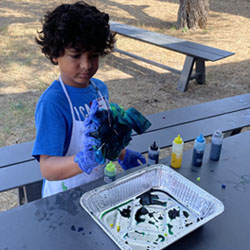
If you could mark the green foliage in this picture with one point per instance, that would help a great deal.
(185, 29)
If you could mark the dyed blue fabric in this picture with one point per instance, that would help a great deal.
(113, 129)
(131, 118)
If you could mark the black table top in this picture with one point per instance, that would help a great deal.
(59, 222)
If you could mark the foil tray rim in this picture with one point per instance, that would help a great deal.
(86, 197)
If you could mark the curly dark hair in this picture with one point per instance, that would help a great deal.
(79, 26)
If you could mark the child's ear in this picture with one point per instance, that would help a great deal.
(55, 60)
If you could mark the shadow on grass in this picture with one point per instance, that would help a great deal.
(17, 117)
(240, 8)
(21, 11)
(33, 11)
(223, 77)
(141, 18)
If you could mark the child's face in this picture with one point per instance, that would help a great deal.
(77, 67)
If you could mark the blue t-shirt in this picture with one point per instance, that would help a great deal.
(53, 117)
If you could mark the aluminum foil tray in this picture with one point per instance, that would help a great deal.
(150, 208)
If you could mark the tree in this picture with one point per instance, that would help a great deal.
(193, 14)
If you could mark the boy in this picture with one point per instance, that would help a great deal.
(73, 37)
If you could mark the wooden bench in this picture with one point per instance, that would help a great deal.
(18, 169)
(195, 53)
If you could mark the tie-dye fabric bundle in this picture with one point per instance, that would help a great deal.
(113, 128)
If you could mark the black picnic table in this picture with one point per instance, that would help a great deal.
(59, 221)
(195, 53)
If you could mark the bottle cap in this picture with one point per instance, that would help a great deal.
(200, 138)
(218, 133)
(154, 146)
(110, 167)
(178, 140)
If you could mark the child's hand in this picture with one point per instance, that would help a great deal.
(86, 158)
(132, 159)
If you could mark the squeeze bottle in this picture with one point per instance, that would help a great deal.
(216, 144)
(153, 154)
(198, 152)
(109, 172)
(177, 152)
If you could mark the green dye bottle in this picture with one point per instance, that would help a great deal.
(109, 172)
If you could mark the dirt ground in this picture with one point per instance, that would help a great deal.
(25, 73)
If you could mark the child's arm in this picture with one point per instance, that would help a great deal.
(58, 167)
(55, 168)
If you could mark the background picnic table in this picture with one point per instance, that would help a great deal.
(25, 73)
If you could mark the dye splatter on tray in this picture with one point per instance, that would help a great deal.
(150, 208)
(149, 220)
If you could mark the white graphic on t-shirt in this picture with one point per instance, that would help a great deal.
(77, 114)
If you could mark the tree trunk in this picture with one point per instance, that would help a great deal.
(193, 14)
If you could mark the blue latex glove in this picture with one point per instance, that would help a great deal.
(132, 159)
(91, 123)
(87, 158)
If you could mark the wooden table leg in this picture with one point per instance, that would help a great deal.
(200, 71)
(186, 73)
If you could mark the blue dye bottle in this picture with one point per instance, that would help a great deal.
(216, 144)
(198, 152)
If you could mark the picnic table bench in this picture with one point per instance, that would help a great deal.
(195, 53)
(18, 169)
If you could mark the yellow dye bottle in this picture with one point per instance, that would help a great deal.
(177, 152)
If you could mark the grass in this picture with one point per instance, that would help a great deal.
(17, 123)
(25, 73)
